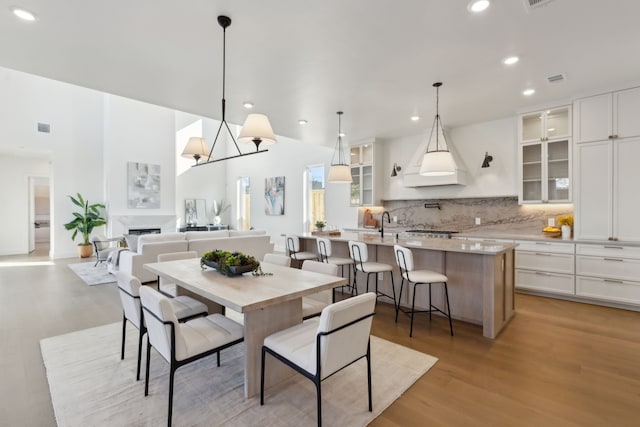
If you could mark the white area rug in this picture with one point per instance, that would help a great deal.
(91, 386)
(91, 275)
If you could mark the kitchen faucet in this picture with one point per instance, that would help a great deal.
(382, 222)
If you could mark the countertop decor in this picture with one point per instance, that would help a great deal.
(229, 263)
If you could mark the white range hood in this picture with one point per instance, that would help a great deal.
(412, 177)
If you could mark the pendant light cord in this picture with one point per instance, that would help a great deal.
(341, 159)
(224, 69)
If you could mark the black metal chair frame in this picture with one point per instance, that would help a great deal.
(322, 249)
(355, 276)
(432, 308)
(175, 364)
(317, 378)
(143, 329)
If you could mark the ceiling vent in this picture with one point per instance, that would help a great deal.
(44, 127)
(558, 78)
(530, 5)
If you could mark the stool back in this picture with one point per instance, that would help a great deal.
(404, 258)
(293, 244)
(358, 251)
(324, 248)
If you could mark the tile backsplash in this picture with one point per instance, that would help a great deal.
(500, 213)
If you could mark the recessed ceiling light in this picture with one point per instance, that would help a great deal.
(248, 105)
(510, 60)
(478, 5)
(23, 14)
(415, 118)
(302, 122)
(528, 92)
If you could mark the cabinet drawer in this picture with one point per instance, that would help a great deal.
(542, 261)
(609, 250)
(608, 268)
(607, 289)
(547, 282)
(558, 248)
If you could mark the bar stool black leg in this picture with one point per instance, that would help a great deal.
(446, 293)
(393, 288)
(399, 298)
(430, 305)
(413, 306)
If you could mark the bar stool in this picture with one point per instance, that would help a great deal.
(404, 258)
(324, 251)
(293, 249)
(360, 255)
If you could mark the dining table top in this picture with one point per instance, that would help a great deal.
(245, 292)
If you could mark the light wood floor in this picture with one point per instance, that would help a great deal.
(557, 363)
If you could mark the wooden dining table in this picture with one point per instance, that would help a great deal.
(269, 303)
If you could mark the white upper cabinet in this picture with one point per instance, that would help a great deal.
(545, 156)
(608, 116)
(546, 125)
(364, 185)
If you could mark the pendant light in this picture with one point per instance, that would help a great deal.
(339, 172)
(196, 148)
(257, 128)
(437, 161)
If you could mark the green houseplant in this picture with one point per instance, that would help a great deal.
(320, 225)
(84, 222)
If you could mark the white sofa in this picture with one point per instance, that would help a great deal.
(149, 246)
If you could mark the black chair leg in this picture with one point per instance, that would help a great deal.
(140, 334)
(319, 399)
(146, 376)
(399, 298)
(124, 334)
(393, 288)
(369, 375)
(446, 293)
(218, 354)
(430, 306)
(355, 281)
(262, 378)
(413, 305)
(171, 375)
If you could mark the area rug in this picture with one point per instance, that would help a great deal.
(91, 275)
(91, 386)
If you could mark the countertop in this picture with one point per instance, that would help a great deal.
(447, 245)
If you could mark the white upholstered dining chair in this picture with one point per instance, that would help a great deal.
(165, 286)
(129, 286)
(183, 343)
(322, 346)
(277, 259)
(312, 305)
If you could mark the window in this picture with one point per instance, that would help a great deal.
(243, 204)
(315, 190)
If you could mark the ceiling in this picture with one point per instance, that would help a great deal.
(374, 59)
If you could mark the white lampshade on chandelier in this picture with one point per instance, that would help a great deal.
(340, 171)
(257, 129)
(196, 148)
(437, 161)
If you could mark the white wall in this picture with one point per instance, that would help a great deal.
(498, 137)
(287, 158)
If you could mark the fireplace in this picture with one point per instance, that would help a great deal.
(119, 225)
(139, 231)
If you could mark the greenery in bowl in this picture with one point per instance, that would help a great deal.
(227, 262)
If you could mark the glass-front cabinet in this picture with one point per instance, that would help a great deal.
(545, 165)
(362, 187)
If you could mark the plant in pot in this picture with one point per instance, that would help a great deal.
(84, 223)
(320, 225)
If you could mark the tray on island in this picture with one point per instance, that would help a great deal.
(326, 233)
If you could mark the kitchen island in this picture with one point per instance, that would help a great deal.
(481, 275)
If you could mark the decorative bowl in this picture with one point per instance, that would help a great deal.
(234, 270)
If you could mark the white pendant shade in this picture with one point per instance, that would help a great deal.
(437, 163)
(340, 174)
(196, 147)
(257, 126)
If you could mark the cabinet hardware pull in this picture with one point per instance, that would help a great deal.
(542, 254)
(620, 282)
(615, 136)
(539, 273)
(543, 243)
(613, 247)
(614, 259)
(610, 137)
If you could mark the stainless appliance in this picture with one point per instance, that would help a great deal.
(438, 234)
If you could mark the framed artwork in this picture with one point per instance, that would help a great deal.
(274, 195)
(195, 211)
(143, 186)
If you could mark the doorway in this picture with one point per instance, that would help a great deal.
(39, 216)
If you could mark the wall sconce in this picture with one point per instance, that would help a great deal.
(395, 170)
(487, 159)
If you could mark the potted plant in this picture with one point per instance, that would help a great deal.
(84, 222)
(320, 225)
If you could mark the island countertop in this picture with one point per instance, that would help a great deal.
(447, 245)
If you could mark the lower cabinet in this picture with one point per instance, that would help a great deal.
(545, 267)
(608, 272)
